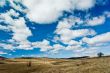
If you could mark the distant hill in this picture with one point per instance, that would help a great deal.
(83, 57)
(2, 58)
(26, 58)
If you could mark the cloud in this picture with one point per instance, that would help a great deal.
(1, 53)
(16, 6)
(96, 21)
(75, 48)
(66, 34)
(56, 48)
(43, 45)
(69, 22)
(20, 32)
(7, 46)
(3, 27)
(107, 14)
(85, 4)
(2, 3)
(98, 39)
(6, 17)
(12, 12)
(47, 11)
(91, 51)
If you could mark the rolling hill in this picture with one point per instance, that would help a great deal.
(47, 65)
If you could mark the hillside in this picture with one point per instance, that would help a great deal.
(46, 65)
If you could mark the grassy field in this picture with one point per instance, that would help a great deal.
(44, 65)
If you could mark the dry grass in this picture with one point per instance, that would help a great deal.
(43, 65)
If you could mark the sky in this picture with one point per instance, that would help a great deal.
(54, 28)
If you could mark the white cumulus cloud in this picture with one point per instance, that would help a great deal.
(102, 38)
(85, 4)
(1, 52)
(96, 21)
(43, 45)
(47, 11)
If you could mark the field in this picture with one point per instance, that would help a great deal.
(45, 65)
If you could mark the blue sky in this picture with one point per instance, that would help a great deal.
(49, 28)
